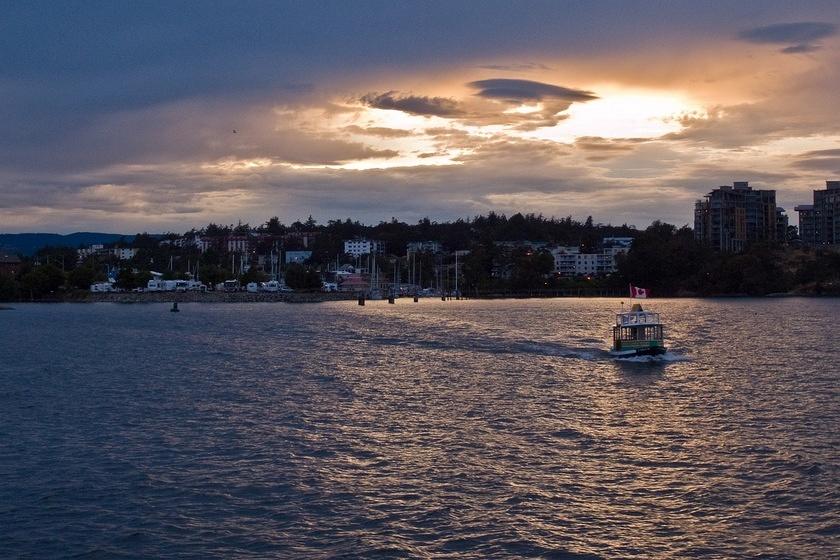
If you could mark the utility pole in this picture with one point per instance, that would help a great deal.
(457, 293)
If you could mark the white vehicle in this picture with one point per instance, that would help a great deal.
(231, 285)
(181, 285)
(162, 285)
(101, 287)
(329, 287)
(194, 286)
(252, 287)
(270, 286)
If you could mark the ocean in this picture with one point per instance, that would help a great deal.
(460, 429)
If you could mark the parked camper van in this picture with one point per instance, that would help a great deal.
(101, 287)
(231, 285)
(270, 286)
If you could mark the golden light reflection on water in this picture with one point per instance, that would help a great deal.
(462, 429)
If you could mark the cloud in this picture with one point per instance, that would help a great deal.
(106, 128)
(380, 131)
(516, 67)
(599, 144)
(413, 104)
(513, 90)
(819, 160)
(802, 37)
(822, 153)
(819, 164)
(800, 49)
(191, 133)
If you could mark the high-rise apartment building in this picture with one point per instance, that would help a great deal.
(819, 223)
(730, 218)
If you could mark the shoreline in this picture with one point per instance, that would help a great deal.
(213, 297)
(321, 297)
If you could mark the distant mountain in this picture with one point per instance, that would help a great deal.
(29, 243)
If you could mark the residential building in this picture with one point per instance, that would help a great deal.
(301, 238)
(729, 218)
(532, 245)
(124, 253)
(205, 243)
(807, 235)
(569, 261)
(594, 264)
(90, 250)
(423, 247)
(359, 247)
(9, 264)
(616, 245)
(565, 260)
(238, 243)
(782, 224)
(297, 256)
(819, 223)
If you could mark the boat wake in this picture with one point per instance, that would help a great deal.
(559, 351)
(666, 357)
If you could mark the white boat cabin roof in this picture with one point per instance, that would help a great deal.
(636, 316)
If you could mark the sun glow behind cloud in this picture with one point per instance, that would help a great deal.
(621, 113)
(417, 139)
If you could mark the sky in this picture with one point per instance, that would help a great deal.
(163, 116)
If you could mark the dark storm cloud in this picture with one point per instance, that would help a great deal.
(801, 36)
(526, 90)
(413, 104)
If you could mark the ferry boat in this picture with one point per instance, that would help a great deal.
(637, 333)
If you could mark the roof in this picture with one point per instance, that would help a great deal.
(9, 259)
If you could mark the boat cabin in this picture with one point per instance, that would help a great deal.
(637, 328)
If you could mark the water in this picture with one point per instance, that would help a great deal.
(471, 429)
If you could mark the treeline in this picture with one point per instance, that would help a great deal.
(455, 235)
(664, 258)
(670, 262)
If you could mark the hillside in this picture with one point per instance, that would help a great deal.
(28, 243)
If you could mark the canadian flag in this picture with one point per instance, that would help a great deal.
(638, 293)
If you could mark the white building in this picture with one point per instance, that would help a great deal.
(569, 261)
(594, 264)
(124, 253)
(238, 244)
(423, 247)
(359, 247)
(90, 250)
(616, 245)
(565, 260)
(297, 256)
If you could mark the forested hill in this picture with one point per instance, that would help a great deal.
(29, 243)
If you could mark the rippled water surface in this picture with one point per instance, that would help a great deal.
(462, 429)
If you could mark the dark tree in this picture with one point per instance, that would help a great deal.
(300, 277)
(42, 281)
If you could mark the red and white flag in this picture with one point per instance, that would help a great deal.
(638, 293)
